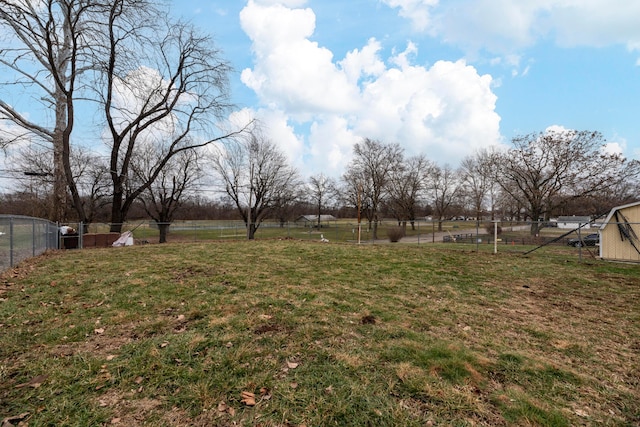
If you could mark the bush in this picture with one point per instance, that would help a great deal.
(490, 230)
(395, 234)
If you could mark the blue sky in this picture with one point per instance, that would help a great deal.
(438, 77)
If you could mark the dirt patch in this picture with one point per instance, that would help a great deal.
(126, 409)
(271, 327)
(97, 346)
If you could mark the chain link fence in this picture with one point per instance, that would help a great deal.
(456, 233)
(24, 237)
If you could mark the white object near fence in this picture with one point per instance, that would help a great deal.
(125, 239)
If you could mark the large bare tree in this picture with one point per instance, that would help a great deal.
(155, 79)
(544, 170)
(369, 174)
(162, 83)
(43, 54)
(257, 177)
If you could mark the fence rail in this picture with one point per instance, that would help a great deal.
(24, 237)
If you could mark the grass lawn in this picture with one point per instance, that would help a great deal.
(291, 333)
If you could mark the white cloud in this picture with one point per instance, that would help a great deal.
(613, 148)
(285, 3)
(292, 72)
(505, 26)
(445, 111)
(280, 130)
(330, 145)
(364, 62)
(617, 146)
(418, 11)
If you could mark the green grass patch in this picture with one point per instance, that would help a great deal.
(318, 334)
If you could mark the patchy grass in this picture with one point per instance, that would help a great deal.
(288, 333)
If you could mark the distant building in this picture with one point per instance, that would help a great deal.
(573, 222)
(312, 220)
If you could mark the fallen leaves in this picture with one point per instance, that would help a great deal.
(16, 420)
(248, 398)
(35, 382)
(224, 408)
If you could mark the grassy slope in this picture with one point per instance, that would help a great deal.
(321, 335)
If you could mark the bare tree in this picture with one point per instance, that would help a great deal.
(163, 83)
(443, 184)
(257, 177)
(369, 173)
(544, 170)
(355, 191)
(43, 55)
(166, 194)
(477, 172)
(321, 188)
(88, 171)
(406, 186)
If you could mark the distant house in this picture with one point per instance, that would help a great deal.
(573, 222)
(620, 234)
(312, 220)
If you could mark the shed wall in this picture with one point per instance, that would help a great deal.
(613, 247)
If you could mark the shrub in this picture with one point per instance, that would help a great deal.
(489, 229)
(395, 234)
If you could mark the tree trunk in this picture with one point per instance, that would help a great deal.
(535, 224)
(163, 228)
(59, 208)
(251, 231)
(535, 228)
(116, 213)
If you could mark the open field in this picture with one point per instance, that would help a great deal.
(342, 230)
(292, 333)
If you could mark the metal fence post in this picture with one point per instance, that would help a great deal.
(10, 242)
(33, 237)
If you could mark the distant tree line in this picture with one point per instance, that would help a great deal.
(541, 176)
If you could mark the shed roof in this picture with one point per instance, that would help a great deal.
(315, 218)
(618, 208)
(574, 218)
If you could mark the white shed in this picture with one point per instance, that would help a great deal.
(619, 235)
(573, 222)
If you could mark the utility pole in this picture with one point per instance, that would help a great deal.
(249, 219)
(359, 191)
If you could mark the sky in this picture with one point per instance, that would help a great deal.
(442, 78)
(439, 77)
